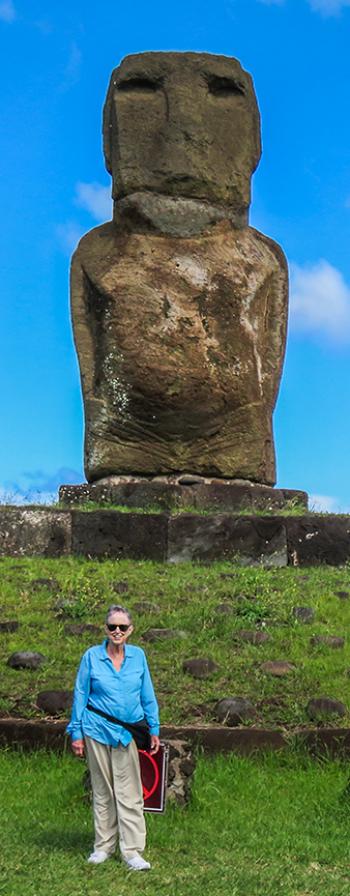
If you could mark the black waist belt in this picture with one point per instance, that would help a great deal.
(139, 730)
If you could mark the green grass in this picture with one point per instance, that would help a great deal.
(277, 826)
(186, 598)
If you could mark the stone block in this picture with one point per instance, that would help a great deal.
(316, 539)
(30, 531)
(249, 541)
(107, 533)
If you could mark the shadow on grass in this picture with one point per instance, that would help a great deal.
(62, 841)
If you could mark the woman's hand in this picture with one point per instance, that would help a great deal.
(78, 747)
(155, 744)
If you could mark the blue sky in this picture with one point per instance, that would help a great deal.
(56, 61)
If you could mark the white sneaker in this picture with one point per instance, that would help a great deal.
(98, 856)
(137, 863)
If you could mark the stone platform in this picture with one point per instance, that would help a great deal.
(246, 539)
(176, 492)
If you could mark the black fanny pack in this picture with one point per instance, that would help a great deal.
(139, 730)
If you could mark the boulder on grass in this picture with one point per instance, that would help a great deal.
(251, 637)
(321, 708)
(201, 667)
(9, 626)
(277, 668)
(25, 659)
(328, 641)
(232, 711)
(54, 702)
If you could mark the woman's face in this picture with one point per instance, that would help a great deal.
(118, 636)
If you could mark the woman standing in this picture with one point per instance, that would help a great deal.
(114, 679)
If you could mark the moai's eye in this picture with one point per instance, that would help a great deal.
(139, 85)
(224, 86)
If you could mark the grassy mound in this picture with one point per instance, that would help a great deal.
(186, 598)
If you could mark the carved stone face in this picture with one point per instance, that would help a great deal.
(182, 124)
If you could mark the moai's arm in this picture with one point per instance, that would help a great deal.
(80, 292)
(274, 322)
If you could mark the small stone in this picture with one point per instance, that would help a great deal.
(11, 626)
(224, 609)
(163, 634)
(145, 606)
(120, 587)
(64, 606)
(328, 641)
(188, 479)
(54, 702)
(277, 668)
(26, 660)
(251, 637)
(199, 667)
(187, 766)
(344, 595)
(303, 614)
(233, 710)
(82, 627)
(228, 575)
(50, 584)
(324, 707)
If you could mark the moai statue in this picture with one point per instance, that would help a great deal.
(179, 307)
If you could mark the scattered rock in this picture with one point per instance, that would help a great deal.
(228, 575)
(190, 480)
(224, 609)
(324, 707)
(251, 637)
(327, 640)
(303, 614)
(50, 584)
(145, 606)
(11, 626)
(82, 627)
(120, 587)
(277, 668)
(25, 659)
(344, 595)
(199, 667)
(54, 702)
(233, 710)
(64, 606)
(163, 634)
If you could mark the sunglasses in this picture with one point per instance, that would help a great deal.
(122, 628)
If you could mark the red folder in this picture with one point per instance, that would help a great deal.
(154, 774)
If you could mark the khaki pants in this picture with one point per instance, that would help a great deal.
(117, 797)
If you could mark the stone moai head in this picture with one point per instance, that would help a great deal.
(184, 125)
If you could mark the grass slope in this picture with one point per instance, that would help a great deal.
(186, 598)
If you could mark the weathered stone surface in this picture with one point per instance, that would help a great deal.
(324, 708)
(277, 668)
(304, 614)
(200, 667)
(184, 125)
(108, 533)
(232, 711)
(224, 609)
(250, 541)
(328, 641)
(343, 595)
(251, 637)
(9, 626)
(179, 308)
(82, 627)
(169, 492)
(30, 531)
(54, 702)
(163, 634)
(120, 587)
(49, 584)
(318, 539)
(26, 659)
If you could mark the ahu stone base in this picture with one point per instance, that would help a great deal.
(176, 492)
(246, 539)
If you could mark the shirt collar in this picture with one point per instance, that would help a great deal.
(104, 654)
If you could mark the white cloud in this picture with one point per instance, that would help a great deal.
(320, 301)
(95, 199)
(329, 7)
(7, 11)
(326, 504)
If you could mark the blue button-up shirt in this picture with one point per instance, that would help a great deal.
(127, 694)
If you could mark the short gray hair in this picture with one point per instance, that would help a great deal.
(116, 608)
